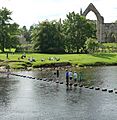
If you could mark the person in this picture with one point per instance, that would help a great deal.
(57, 73)
(67, 77)
(75, 76)
(8, 70)
(80, 76)
(70, 75)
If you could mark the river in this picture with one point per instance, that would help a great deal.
(22, 98)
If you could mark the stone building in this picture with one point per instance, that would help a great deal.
(106, 32)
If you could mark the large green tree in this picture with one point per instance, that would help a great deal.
(76, 30)
(8, 31)
(13, 36)
(47, 37)
(4, 22)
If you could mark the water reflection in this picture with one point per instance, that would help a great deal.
(7, 87)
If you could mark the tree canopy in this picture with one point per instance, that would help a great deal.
(53, 36)
(47, 37)
(76, 30)
(8, 30)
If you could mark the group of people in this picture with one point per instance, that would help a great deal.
(72, 77)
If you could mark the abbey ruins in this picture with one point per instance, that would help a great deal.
(106, 32)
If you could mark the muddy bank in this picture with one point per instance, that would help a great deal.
(60, 64)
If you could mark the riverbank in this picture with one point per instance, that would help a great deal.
(57, 60)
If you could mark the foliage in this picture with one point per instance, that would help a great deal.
(4, 21)
(91, 45)
(8, 31)
(76, 30)
(47, 37)
(13, 39)
(24, 48)
(26, 33)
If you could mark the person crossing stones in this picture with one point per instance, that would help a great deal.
(67, 77)
(57, 73)
(75, 75)
(80, 76)
(70, 77)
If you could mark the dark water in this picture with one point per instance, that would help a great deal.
(31, 99)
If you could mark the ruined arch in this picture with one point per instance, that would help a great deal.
(92, 8)
(100, 20)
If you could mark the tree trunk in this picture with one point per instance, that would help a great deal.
(3, 44)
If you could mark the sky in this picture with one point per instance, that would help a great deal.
(29, 12)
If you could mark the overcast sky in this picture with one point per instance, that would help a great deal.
(28, 12)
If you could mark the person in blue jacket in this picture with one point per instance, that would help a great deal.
(67, 77)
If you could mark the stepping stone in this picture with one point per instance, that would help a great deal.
(97, 88)
(115, 91)
(44, 79)
(28, 76)
(70, 84)
(104, 89)
(57, 81)
(75, 84)
(91, 87)
(61, 82)
(80, 85)
(110, 90)
(86, 86)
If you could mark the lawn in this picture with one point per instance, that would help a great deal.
(73, 59)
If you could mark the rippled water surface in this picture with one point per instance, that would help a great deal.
(31, 99)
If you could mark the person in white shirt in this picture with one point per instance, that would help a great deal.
(70, 75)
(75, 76)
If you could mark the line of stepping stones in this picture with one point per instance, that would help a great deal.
(75, 84)
(43, 79)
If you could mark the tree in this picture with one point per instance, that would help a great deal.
(13, 37)
(8, 31)
(91, 45)
(26, 33)
(76, 30)
(4, 22)
(47, 37)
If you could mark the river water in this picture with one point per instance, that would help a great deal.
(31, 99)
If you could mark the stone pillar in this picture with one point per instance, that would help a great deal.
(101, 32)
(98, 31)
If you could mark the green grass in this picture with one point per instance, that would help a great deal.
(73, 59)
(9, 50)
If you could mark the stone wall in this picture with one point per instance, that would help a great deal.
(110, 32)
(106, 32)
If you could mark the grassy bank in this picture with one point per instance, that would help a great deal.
(59, 59)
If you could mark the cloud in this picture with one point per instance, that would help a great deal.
(28, 12)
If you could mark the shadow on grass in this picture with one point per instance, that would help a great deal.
(106, 56)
